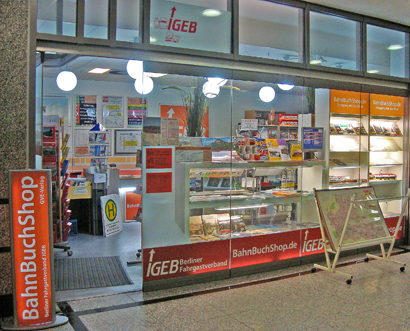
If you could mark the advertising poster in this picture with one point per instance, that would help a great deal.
(57, 105)
(132, 206)
(179, 112)
(183, 260)
(127, 141)
(347, 102)
(86, 110)
(137, 111)
(32, 255)
(111, 214)
(112, 112)
(263, 249)
(312, 139)
(159, 158)
(159, 182)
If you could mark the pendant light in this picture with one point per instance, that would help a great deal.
(66, 80)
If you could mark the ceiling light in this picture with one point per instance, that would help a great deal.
(395, 47)
(373, 71)
(134, 68)
(98, 71)
(315, 61)
(66, 80)
(217, 81)
(155, 74)
(286, 87)
(144, 85)
(210, 90)
(211, 12)
(267, 94)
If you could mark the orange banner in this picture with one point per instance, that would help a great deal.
(347, 102)
(132, 206)
(31, 246)
(179, 112)
(386, 105)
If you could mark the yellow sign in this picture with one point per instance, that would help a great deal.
(110, 210)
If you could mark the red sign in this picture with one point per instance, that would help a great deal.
(391, 223)
(311, 242)
(159, 182)
(132, 206)
(159, 158)
(31, 246)
(184, 260)
(265, 248)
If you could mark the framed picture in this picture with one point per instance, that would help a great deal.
(127, 141)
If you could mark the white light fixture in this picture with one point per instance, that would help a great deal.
(210, 90)
(98, 71)
(211, 12)
(267, 94)
(126, 189)
(135, 69)
(155, 74)
(372, 71)
(152, 39)
(144, 85)
(395, 47)
(286, 87)
(242, 207)
(217, 81)
(315, 61)
(66, 80)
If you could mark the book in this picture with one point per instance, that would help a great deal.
(377, 128)
(332, 129)
(224, 222)
(210, 224)
(296, 152)
(195, 226)
(371, 130)
(339, 130)
(395, 130)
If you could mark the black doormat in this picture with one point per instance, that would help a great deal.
(89, 272)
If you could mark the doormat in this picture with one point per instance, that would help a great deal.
(89, 272)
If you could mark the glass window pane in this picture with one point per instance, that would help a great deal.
(96, 19)
(387, 51)
(204, 25)
(270, 31)
(334, 42)
(128, 20)
(57, 17)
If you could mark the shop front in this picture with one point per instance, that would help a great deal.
(219, 140)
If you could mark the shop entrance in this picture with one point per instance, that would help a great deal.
(91, 146)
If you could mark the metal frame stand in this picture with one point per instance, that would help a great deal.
(331, 266)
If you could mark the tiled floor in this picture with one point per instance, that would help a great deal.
(378, 299)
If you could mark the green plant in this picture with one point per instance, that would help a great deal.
(194, 102)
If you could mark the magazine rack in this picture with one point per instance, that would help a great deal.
(362, 206)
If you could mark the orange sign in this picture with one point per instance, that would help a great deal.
(30, 223)
(132, 206)
(386, 105)
(179, 112)
(347, 102)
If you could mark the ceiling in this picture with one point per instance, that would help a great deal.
(393, 10)
(390, 10)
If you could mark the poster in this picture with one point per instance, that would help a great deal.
(312, 139)
(159, 158)
(86, 110)
(57, 105)
(159, 182)
(81, 142)
(111, 214)
(137, 111)
(112, 112)
(179, 112)
(127, 141)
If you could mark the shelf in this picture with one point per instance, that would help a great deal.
(387, 136)
(378, 182)
(347, 167)
(254, 164)
(385, 165)
(340, 185)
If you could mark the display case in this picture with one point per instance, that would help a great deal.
(386, 159)
(348, 150)
(223, 200)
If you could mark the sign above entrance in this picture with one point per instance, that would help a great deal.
(186, 26)
(347, 102)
